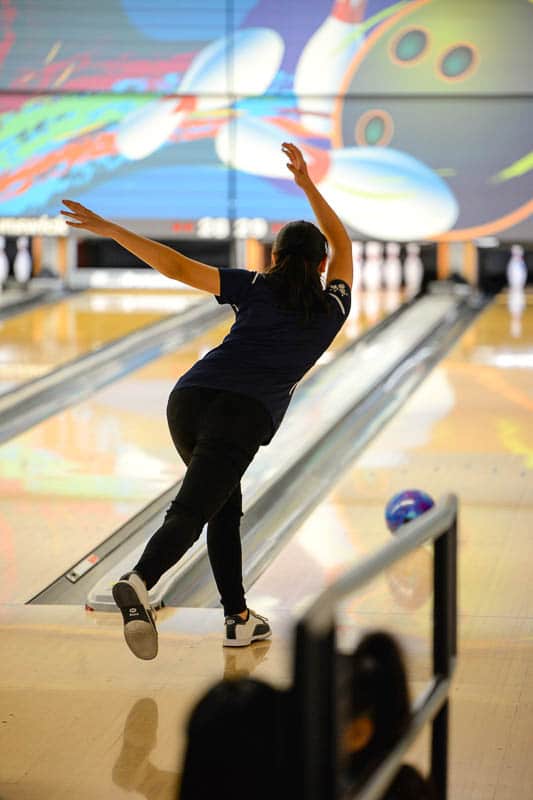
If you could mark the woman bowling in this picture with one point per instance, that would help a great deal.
(233, 400)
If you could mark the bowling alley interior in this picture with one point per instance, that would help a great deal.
(393, 508)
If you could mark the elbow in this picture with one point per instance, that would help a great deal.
(170, 269)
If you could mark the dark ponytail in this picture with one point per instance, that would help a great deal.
(297, 252)
(379, 686)
(373, 685)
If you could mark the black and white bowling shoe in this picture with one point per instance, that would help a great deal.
(131, 596)
(240, 632)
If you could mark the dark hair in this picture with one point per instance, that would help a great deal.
(297, 251)
(375, 686)
(235, 742)
(380, 688)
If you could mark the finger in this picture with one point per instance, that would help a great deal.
(74, 224)
(72, 204)
(295, 156)
(68, 213)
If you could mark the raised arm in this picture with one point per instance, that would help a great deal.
(162, 258)
(340, 261)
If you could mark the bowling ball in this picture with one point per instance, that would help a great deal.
(406, 506)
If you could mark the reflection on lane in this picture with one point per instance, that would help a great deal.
(68, 483)
(35, 342)
(467, 429)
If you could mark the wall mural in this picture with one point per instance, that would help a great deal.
(415, 116)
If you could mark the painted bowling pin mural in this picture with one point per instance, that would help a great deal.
(378, 191)
(323, 63)
(206, 86)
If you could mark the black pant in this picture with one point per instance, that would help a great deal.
(217, 434)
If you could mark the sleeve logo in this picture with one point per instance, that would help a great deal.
(339, 288)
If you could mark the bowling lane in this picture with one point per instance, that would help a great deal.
(37, 341)
(125, 730)
(72, 480)
(367, 309)
(467, 429)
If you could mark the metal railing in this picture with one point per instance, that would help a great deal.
(314, 677)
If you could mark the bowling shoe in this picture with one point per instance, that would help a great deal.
(131, 596)
(240, 632)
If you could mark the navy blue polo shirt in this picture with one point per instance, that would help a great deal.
(268, 350)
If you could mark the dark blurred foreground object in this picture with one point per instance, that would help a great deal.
(374, 708)
(374, 712)
(242, 734)
(235, 747)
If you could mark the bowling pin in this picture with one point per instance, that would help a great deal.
(357, 256)
(516, 268)
(392, 300)
(392, 267)
(22, 266)
(323, 62)
(356, 181)
(352, 327)
(372, 305)
(413, 270)
(255, 55)
(516, 303)
(372, 266)
(4, 263)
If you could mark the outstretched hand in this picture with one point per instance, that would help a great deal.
(81, 217)
(296, 164)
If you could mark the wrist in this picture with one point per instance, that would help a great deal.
(306, 184)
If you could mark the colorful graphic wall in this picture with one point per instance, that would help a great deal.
(416, 117)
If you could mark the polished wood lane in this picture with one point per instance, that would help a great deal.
(69, 482)
(37, 341)
(82, 717)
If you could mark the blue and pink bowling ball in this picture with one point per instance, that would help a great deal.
(406, 506)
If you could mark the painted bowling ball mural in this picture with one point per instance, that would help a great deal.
(450, 58)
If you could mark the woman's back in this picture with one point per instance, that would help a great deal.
(269, 347)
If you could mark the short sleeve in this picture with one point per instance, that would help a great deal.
(340, 296)
(234, 285)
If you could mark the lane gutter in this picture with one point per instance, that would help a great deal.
(33, 299)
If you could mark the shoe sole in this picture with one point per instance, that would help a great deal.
(140, 635)
(245, 642)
